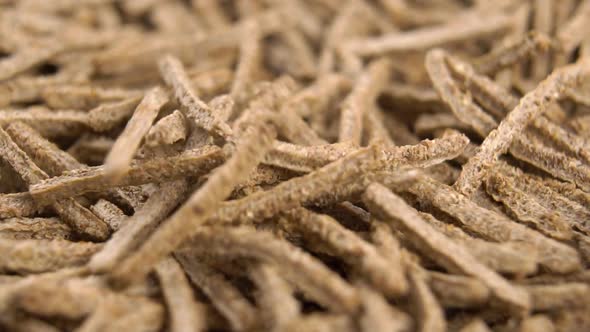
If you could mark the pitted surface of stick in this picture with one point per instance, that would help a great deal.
(298, 165)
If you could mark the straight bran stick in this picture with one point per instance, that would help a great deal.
(122, 152)
(389, 206)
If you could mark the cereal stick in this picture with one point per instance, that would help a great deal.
(18, 205)
(571, 33)
(530, 106)
(249, 63)
(359, 254)
(527, 209)
(563, 138)
(118, 312)
(83, 97)
(27, 58)
(557, 297)
(108, 115)
(250, 151)
(35, 228)
(374, 126)
(543, 22)
(178, 294)
(322, 322)
(55, 161)
(556, 163)
(140, 225)
(508, 257)
(428, 37)
(274, 297)
(390, 249)
(79, 218)
(429, 123)
(119, 158)
(449, 91)
(299, 268)
(318, 96)
(109, 213)
(568, 190)
(44, 153)
(379, 315)
(33, 256)
(537, 323)
(224, 296)
(386, 204)
(476, 325)
(362, 96)
(93, 179)
(553, 255)
(197, 111)
(48, 123)
(168, 130)
(512, 52)
(212, 13)
(339, 180)
(305, 159)
(454, 291)
(431, 315)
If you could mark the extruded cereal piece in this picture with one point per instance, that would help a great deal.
(110, 213)
(178, 294)
(34, 256)
(554, 256)
(94, 179)
(35, 228)
(168, 130)
(362, 256)
(196, 110)
(559, 296)
(224, 296)
(119, 158)
(387, 205)
(307, 273)
(455, 291)
(429, 312)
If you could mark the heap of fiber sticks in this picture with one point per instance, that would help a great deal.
(294, 165)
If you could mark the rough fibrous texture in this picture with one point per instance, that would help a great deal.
(294, 165)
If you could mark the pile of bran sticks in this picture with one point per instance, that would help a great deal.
(294, 165)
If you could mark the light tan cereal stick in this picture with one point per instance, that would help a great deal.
(76, 216)
(140, 225)
(274, 296)
(250, 151)
(558, 296)
(476, 325)
(48, 123)
(249, 63)
(35, 228)
(361, 98)
(119, 312)
(212, 13)
(362, 256)
(379, 315)
(109, 213)
(508, 257)
(18, 205)
(428, 37)
(526, 209)
(553, 255)
(168, 130)
(425, 306)
(34, 256)
(571, 33)
(93, 179)
(338, 180)
(530, 106)
(83, 97)
(119, 158)
(108, 115)
(307, 273)
(27, 58)
(223, 295)
(182, 307)
(322, 322)
(455, 291)
(306, 159)
(543, 22)
(196, 110)
(55, 161)
(537, 323)
(386, 204)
